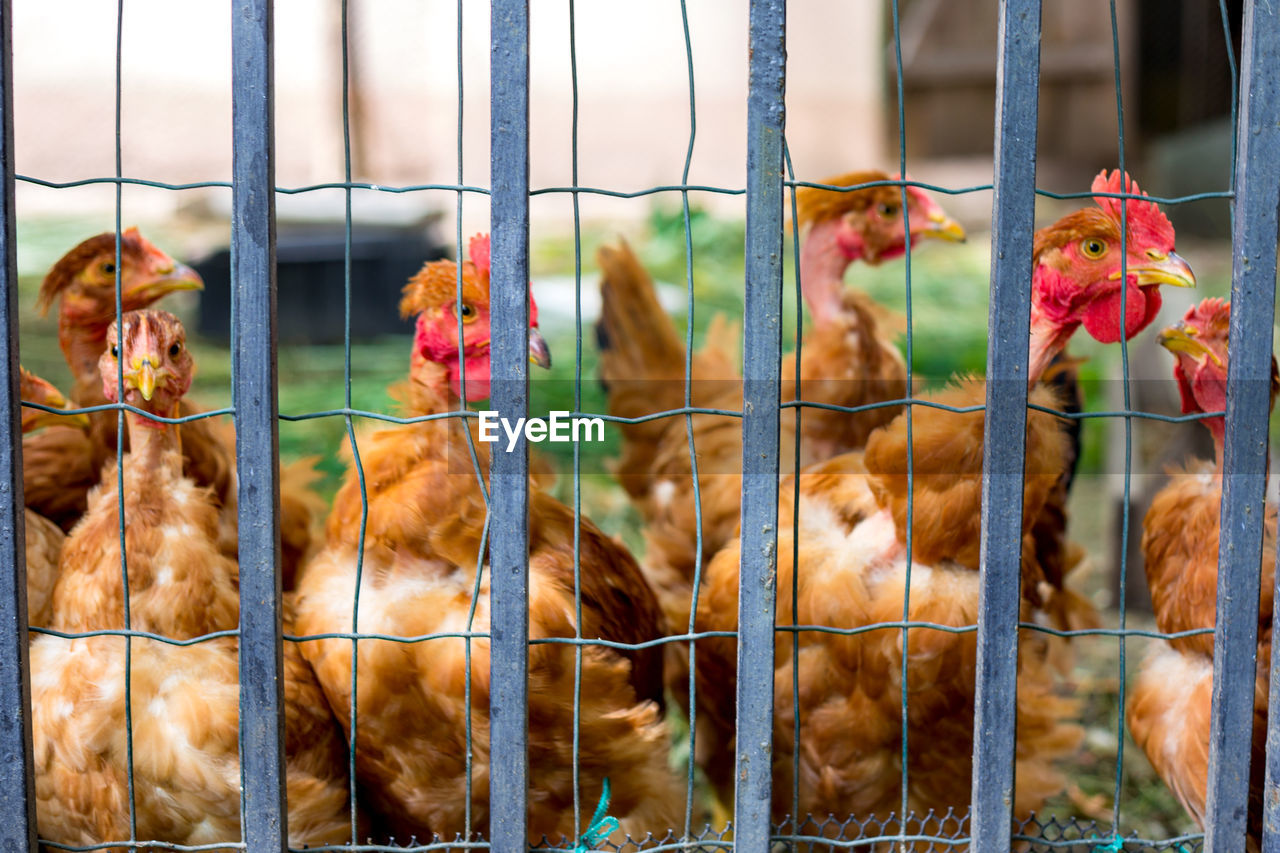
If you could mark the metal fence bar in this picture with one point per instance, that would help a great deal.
(1004, 433)
(761, 390)
(253, 273)
(17, 779)
(1253, 283)
(509, 471)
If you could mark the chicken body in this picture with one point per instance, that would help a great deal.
(1169, 712)
(849, 359)
(184, 699)
(44, 538)
(44, 551)
(851, 568)
(1169, 708)
(423, 549)
(853, 572)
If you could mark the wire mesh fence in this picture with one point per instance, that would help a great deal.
(497, 734)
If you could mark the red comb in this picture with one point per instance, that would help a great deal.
(1207, 309)
(133, 235)
(479, 251)
(1147, 223)
(1211, 317)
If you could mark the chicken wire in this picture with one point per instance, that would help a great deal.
(986, 826)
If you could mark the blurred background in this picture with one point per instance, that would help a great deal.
(417, 104)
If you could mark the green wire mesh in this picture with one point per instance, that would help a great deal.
(939, 832)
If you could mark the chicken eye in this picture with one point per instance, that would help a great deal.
(108, 268)
(888, 210)
(174, 350)
(115, 351)
(1093, 248)
(466, 312)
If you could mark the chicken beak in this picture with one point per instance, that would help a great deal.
(145, 378)
(1171, 269)
(539, 353)
(178, 277)
(1180, 339)
(943, 227)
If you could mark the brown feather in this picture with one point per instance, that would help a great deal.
(57, 473)
(423, 536)
(184, 698)
(44, 549)
(849, 541)
(848, 360)
(1169, 712)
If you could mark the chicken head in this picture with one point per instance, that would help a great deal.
(868, 224)
(153, 358)
(1079, 265)
(85, 277)
(839, 227)
(1199, 346)
(432, 297)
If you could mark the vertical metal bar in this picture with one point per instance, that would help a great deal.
(509, 471)
(17, 780)
(1253, 287)
(1004, 435)
(253, 244)
(761, 390)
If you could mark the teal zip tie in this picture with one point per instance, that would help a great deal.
(1116, 845)
(601, 826)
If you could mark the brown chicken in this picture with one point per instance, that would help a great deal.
(184, 698)
(852, 571)
(426, 516)
(57, 475)
(44, 538)
(848, 359)
(1169, 710)
(83, 283)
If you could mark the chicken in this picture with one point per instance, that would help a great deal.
(44, 538)
(422, 550)
(58, 476)
(848, 359)
(853, 564)
(184, 698)
(1169, 708)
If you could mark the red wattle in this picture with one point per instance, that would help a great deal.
(851, 245)
(1102, 317)
(477, 367)
(1185, 394)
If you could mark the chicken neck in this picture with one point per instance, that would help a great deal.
(82, 334)
(1217, 428)
(822, 266)
(155, 447)
(1048, 338)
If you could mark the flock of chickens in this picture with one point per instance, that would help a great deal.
(409, 545)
